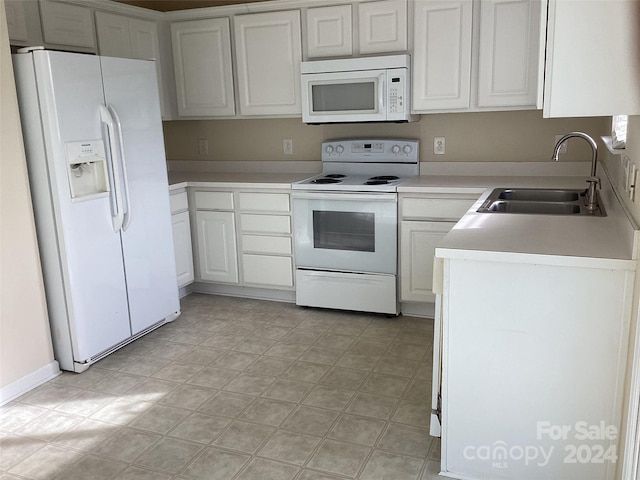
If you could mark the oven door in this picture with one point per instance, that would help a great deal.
(344, 97)
(345, 232)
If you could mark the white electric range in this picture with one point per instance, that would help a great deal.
(345, 225)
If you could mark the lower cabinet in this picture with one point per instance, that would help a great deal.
(181, 226)
(418, 246)
(244, 238)
(424, 221)
(217, 253)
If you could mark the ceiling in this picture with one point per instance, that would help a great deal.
(170, 5)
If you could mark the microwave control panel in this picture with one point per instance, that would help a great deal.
(396, 88)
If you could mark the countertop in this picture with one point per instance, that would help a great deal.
(478, 234)
(234, 180)
(518, 237)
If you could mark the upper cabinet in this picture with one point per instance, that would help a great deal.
(592, 60)
(202, 66)
(65, 24)
(378, 27)
(382, 26)
(478, 55)
(511, 53)
(329, 31)
(268, 55)
(121, 36)
(16, 20)
(442, 54)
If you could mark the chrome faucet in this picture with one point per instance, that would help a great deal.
(593, 180)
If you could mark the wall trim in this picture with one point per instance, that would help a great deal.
(29, 382)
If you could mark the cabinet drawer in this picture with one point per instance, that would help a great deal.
(435, 208)
(265, 223)
(178, 202)
(265, 202)
(266, 244)
(267, 270)
(214, 200)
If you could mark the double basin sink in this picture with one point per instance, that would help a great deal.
(541, 201)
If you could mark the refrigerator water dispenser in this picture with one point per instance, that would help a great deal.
(87, 169)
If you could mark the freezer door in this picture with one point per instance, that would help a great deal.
(131, 94)
(81, 253)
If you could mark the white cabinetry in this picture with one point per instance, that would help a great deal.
(182, 237)
(509, 336)
(65, 24)
(121, 36)
(268, 54)
(216, 237)
(511, 58)
(382, 26)
(425, 220)
(16, 20)
(266, 242)
(592, 59)
(202, 65)
(329, 31)
(472, 55)
(442, 54)
(244, 238)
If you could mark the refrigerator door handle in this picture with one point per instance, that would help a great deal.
(107, 119)
(123, 160)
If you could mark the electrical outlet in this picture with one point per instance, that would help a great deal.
(633, 181)
(438, 145)
(564, 148)
(203, 146)
(287, 146)
(626, 163)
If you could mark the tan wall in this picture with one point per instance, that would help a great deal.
(495, 136)
(25, 343)
(615, 165)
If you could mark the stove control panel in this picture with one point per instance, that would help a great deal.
(370, 150)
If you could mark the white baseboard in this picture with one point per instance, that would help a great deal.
(28, 382)
(413, 309)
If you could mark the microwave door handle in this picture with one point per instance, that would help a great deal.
(381, 88)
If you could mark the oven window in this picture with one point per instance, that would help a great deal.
(344, 230)
(344, 97)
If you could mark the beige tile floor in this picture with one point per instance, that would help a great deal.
(237, 389)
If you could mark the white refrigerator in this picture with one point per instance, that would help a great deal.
(97, 169)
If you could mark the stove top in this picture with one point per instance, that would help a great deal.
(364, 165)
(339, 181)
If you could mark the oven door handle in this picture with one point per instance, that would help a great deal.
(345, 196)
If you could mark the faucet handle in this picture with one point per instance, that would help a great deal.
(595, 180)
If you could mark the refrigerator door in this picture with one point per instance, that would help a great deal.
(90, 313)
(131, 94)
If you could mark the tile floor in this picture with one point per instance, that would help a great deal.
(237, 389)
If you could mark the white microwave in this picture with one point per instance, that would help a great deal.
(365, 89)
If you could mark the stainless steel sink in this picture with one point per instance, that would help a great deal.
(538, 201)
(539, 195)
(541, 208)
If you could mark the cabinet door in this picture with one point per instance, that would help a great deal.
(217, 253)
(442, 54)
(329, 31)
(383, 26)
(418, 242)
(592, 72)
(114, 39)
(64, 24)
(202, 64)
(16, 20)
(511, 63)
(268, 55)
(268, 271)
(182, 246)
